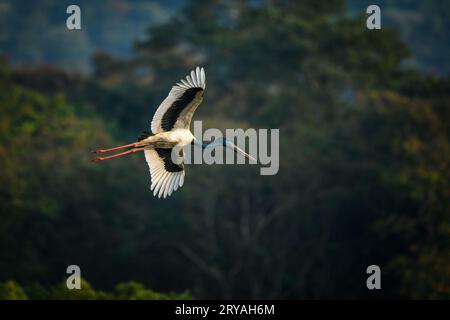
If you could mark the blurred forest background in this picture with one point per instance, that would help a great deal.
(364, 151)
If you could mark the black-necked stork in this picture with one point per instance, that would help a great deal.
(170, 128)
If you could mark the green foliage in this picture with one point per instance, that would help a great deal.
(85, 293)
(417, 177)
(136, 291)
(10, 290)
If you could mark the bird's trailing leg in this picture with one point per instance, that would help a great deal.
(118, 154)
(134, 144)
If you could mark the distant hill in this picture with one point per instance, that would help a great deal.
(35, 32)
(424, 25)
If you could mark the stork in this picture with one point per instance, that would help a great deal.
(170, 130)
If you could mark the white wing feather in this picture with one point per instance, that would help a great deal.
(163, 181)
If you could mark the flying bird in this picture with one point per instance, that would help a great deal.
(170, 132)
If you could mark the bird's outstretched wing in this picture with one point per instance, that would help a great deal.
(166, 175)
(177, 109)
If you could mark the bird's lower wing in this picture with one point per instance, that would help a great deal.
(166, 175)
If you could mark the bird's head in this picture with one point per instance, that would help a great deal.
(228, 144)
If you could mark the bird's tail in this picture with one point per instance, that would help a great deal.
(144, 135)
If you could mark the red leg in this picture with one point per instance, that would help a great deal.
(117, 155)
(134, 144)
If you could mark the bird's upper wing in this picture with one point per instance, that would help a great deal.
(177, 109)
(166, 175)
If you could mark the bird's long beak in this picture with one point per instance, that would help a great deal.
(239, 150)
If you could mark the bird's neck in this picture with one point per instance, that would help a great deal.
(220, 142)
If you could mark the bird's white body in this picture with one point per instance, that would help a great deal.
(179, 137)
(182, 136)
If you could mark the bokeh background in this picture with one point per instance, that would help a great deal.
(364, 151)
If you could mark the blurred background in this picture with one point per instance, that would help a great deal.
(364, 150)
